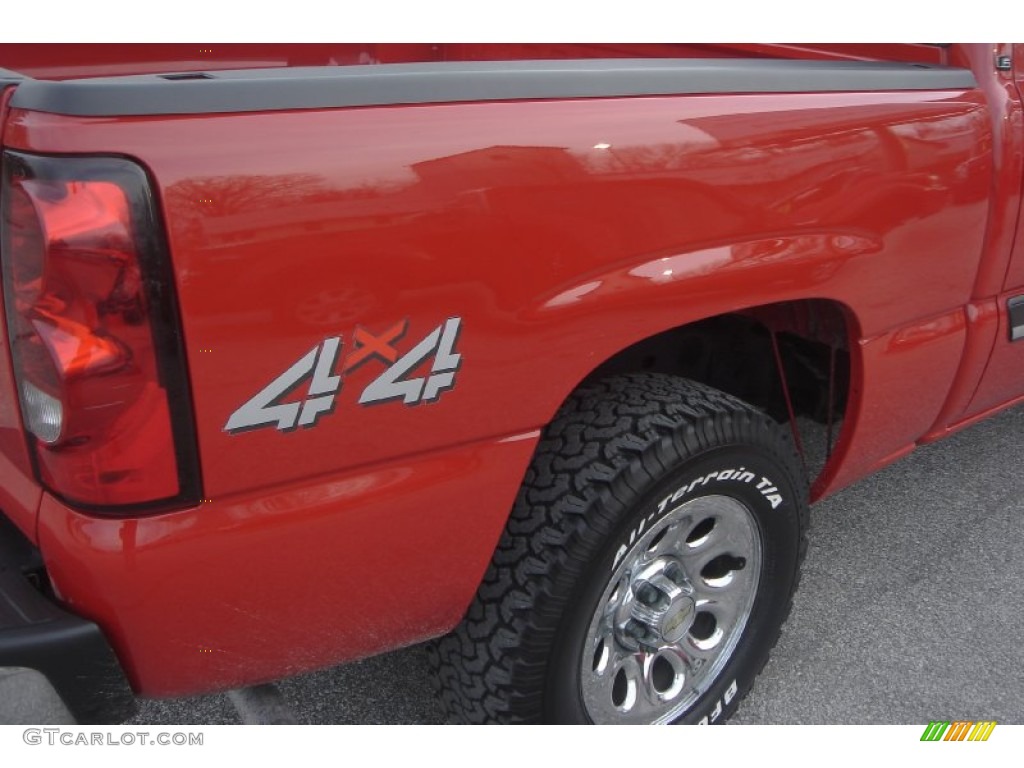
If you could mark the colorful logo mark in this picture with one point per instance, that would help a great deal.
(958, 730)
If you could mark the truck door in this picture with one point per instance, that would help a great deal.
(1003, 379)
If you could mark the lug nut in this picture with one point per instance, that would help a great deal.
(648, 595)
(635, 629)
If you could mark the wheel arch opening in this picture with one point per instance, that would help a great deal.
(795, 360)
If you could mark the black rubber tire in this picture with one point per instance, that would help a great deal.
(614, 451)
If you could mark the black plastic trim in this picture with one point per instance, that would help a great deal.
(385, 84)
(8, 76)
(1015, 308)
(71, 652)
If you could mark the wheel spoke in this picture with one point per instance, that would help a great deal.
(620, 596)
(732, 534)
(696, 663)
(643, 661)
(666, 541)
(730, 586)
(604, 654)
(692, 657)
(723, 539)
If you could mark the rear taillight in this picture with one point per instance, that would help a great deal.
(94, 334)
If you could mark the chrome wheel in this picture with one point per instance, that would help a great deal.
(672, 613)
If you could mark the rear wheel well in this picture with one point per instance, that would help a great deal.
(740, 353)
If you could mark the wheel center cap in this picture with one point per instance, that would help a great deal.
(677, 619)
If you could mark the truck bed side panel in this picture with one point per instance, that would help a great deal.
(558, 233)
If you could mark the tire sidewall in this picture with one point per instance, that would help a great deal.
(764, 482)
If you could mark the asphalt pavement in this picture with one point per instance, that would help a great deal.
(909, 609)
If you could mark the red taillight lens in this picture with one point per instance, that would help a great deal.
(94, 333)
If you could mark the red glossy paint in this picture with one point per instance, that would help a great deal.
(560, 232)
(890, 402)
(269, 584)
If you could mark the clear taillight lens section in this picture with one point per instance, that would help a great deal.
(94, 333)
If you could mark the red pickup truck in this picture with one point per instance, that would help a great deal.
(312, 352)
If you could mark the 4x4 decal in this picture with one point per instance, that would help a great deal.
(317, 368)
